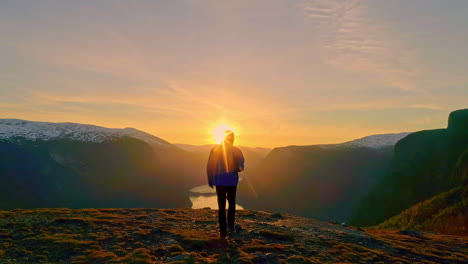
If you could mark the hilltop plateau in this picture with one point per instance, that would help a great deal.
(190, 236)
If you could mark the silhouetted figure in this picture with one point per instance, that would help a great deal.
(224, 163)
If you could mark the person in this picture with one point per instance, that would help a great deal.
(224, 164)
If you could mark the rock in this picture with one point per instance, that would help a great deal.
(238, 228)
(271, 256)
(264, 258)
(177, 258)
(412, 233)
(156, 230)
(276, 215)
(296, 259)
(170, 242)
(258, 258)
(207, 208)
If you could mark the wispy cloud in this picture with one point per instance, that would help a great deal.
(353, 42)
(422, 121)
(428, 106)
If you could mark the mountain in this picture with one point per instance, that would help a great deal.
(76, 166)
(190, 236)
(425, 164)
(445, 213)
(208, 147)
(320, 181)
(373, 141)
(29, 130)
(252, 155)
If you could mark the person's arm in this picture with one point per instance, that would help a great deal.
(209, 169)
(240, 161)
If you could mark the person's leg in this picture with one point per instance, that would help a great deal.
(231, 197)
(221, 193)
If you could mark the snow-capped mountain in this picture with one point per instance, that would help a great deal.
(374, 141)
(32, 130)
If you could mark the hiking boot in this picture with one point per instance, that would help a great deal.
(222, 235)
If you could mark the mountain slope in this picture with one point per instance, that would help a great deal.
(424, 165)
(328, 180)
(190, 236)
(445, 213)
(73, 165)
(253, 156)
(373, 141)
(33, 130)
(66, 173)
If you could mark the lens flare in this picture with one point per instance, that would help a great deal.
(219, 132)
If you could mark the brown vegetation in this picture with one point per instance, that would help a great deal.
(444, 213)
(190, 236)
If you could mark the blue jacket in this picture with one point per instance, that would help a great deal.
(223, 165)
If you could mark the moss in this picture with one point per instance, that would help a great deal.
(244, 260)
(175, 248)
(188, 260)
(297, 259)
(44, 241)
(102, 255)
(195, 243)
(139, 256)
(97, 256)
(276, 235)
(443, 213)
(79, 260)
(271, 247)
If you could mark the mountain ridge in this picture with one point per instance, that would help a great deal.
(33, 130)
(36, 130)
(425, 163)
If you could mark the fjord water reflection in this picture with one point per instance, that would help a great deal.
(203, 196)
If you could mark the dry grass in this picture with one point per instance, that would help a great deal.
(190, 236)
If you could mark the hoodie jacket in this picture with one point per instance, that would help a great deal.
(223, 165)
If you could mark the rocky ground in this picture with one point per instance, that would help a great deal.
(190, 236)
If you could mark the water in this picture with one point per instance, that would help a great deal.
(204, 196)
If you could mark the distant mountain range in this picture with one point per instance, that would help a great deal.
(45, 164)
(374, 141)
(74, 165)
(207, 148)
(362, 182)
(320, 181)
(29, 130)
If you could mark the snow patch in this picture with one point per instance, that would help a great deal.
(374, 141)
(31, 130)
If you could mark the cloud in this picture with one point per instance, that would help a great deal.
(422, 121)
(354, 42)
(428, 106)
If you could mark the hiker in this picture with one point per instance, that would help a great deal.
(224, 164)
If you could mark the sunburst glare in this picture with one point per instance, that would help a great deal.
(219, 132)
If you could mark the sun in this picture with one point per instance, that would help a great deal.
(219, 132)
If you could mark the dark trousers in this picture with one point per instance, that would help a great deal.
(228, 192)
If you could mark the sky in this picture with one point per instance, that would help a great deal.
(279, 72)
